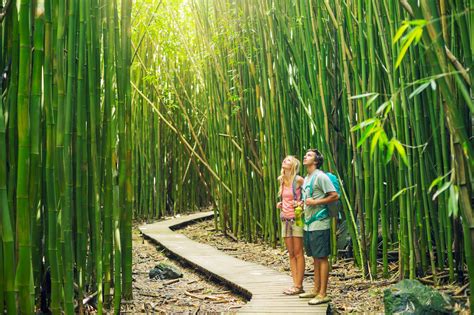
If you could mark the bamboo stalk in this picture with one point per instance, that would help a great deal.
(23, 276)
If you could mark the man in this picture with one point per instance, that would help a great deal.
(318, 191)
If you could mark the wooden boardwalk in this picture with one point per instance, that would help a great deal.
(261, 285)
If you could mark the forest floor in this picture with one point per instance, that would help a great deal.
(196, 293)
(192, 294)
(349, 291)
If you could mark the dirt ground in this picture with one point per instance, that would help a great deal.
(347, 288)
(191, 294)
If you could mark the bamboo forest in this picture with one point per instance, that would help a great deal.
(119, 113)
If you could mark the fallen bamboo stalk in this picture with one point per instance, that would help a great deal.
(150, 295)
(461, 289)
(193, 295)
(171, 281)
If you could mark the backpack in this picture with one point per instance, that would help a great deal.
(335, 208)
(332, 209)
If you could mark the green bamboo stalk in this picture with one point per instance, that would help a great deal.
(2, 277)
(118, 198)
(67, 214)
(6, 227)
(94, 215)
(49, 167)
(23, 276)
(81, 161)
(35, 108)
(3, 195)
(109, 165)
(12, 104)
(423, 184)
(127, 190)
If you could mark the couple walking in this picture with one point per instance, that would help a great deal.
(313, 193)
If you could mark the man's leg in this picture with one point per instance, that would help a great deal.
(323, 250)
(324, 275)
(317, 275)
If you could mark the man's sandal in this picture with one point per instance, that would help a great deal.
(307, 295)
(319, 300)
(293, 291)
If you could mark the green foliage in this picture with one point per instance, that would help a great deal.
(414, 34)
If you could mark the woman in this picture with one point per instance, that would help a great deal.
(290, 196)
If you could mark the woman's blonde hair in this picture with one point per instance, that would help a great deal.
(289, 178)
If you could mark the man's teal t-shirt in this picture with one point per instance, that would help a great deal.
(321, 186)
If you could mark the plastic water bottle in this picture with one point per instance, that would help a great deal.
(299, 216)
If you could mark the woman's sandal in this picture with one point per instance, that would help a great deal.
(293, 291)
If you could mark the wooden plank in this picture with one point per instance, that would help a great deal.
(289, 307)
(280, 311)
(273, 303)
(264, 284)
(265, 312)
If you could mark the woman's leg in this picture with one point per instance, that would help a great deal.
(299, 258)
(291, 254)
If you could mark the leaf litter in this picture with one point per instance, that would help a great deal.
(192, 294)
(349, 291)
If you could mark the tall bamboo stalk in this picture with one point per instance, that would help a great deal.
(23, 280)
(6, 227)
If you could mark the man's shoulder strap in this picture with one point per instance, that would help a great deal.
(311, 183)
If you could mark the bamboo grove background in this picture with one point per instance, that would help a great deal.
(65, 159)
(225, 89)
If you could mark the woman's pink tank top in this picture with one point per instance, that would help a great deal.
(287, 210)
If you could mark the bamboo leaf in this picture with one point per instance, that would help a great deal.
(398, 194)
(384, 107)
(438, 180)
(390, 149)
(435, 182)
(363, 124)
(401, 192)
(418, 22)
(383, 140)
(401, 151)
(400, 32)
(453, 201)
(418, 34)
(374, 142)
(419, 89)
(367, 132)
(371, 100)
(441, 190)
(410, 38)
(362, 95)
